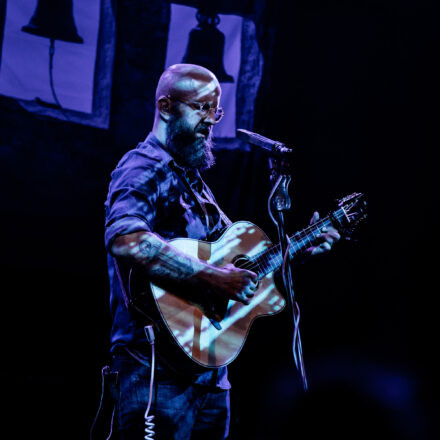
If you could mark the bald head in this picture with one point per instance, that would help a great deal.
(181, 122)
(188, 82)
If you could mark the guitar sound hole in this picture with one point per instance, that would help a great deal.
(241, 260)
(244, 262)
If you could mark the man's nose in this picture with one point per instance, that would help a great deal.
(210, 117)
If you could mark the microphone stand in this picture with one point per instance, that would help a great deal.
(279, 202)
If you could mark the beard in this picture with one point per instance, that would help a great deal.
(188, 148)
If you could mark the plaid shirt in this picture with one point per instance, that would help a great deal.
(149, 191)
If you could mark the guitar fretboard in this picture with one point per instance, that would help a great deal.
(269, 260)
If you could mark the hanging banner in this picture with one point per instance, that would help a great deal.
(49, 58)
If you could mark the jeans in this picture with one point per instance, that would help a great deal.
(182, 410)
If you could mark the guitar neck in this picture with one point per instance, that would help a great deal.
(271, 259)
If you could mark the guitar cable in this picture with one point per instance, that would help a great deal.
(149, 333)
(149, 424)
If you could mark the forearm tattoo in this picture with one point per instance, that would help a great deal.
(165, 262)
(148, 249)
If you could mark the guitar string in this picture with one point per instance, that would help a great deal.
(264, 258)
(266, 254)
(299, 237)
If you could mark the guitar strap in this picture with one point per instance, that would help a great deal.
(182, 174)
(223, 216)
(127, 300)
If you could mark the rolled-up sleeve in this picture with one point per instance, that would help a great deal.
(132, 199)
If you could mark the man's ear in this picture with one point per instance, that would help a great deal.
(164, 107)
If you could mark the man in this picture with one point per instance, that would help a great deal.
(156, 194)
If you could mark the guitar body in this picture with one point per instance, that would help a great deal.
(191, 329)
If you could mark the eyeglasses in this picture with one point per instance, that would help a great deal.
(203, 109)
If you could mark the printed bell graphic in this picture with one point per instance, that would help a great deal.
(206, 46)
(54, 19)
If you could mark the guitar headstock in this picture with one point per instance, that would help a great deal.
(352, 210)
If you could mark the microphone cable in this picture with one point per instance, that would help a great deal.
(292, 304)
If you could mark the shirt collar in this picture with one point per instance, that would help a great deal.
(151, 139)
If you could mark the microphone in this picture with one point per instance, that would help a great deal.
(274, 149)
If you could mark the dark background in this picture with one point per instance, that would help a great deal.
(351, 86)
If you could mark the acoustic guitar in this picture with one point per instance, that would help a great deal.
(211, 331)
